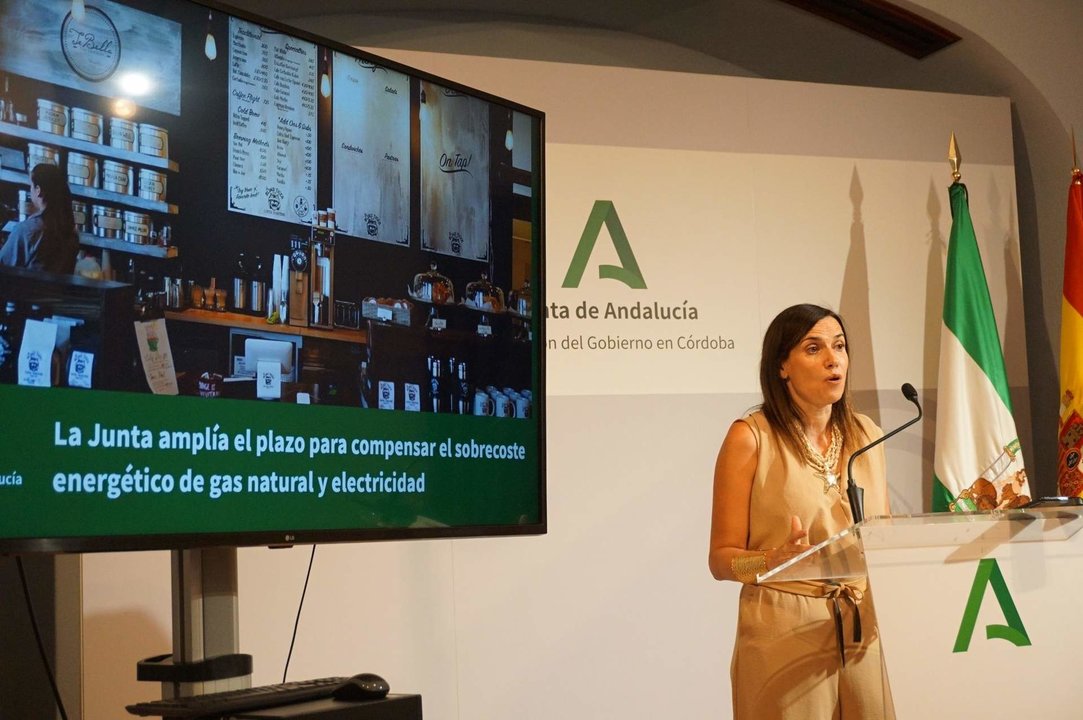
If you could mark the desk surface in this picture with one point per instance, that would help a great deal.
(393, 707)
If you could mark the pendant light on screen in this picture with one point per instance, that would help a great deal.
(123, 107)
(325, 79)
(210, 47)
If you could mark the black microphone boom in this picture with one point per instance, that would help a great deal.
(856, 493)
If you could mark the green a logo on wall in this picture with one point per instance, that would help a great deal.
(1014, 632)
(627, 272)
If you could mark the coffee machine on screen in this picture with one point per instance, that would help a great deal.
(299, 294)
(322, 273)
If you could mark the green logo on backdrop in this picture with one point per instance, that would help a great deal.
(1014, 632)
(628, 270)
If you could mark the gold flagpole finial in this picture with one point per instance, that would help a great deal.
(954, 158)
(1075, 156)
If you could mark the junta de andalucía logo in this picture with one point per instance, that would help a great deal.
(989, 575)
(628, 272)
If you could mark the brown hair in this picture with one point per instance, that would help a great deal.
(58, 254)
(783, 334)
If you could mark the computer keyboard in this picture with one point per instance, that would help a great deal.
(233, 701)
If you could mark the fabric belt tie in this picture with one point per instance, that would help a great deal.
(851, 595)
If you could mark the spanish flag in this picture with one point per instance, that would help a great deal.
(1069, 470)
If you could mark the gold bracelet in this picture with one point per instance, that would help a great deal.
(746, 567)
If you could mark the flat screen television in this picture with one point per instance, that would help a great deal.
(234, 178)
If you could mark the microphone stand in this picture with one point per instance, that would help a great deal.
(855, 492)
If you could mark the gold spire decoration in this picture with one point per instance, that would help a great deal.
(1077, 177)
(954, 158)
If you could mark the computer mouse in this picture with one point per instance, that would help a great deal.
(365, 686)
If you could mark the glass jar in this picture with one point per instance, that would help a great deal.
(432, 287)
(520, 301)
(483, 295)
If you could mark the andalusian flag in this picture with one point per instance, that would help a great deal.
(977, 461)
(1069, 477)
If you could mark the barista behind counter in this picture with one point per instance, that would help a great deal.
(47, 239)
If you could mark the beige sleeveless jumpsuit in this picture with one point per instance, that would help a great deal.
(786, 659)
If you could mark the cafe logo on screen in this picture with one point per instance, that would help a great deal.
(91, 44)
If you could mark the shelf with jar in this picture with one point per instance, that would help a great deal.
(457, 324)
(125, 231)
(85, 146)
(452, 371)
(255, 322)
(481, 311)
(123, 246)
(93, 193)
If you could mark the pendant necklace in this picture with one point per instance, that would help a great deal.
(825, 466)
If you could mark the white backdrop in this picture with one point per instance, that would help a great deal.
(738, 197)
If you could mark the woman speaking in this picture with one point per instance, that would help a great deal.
(804, 649)
(46, 240)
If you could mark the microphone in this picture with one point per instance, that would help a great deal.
(856, 493)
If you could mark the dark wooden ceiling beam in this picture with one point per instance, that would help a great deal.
(885, 22)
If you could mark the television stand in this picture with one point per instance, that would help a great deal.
(205, 628)
(205, 640)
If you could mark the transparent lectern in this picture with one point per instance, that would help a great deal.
(977, 611)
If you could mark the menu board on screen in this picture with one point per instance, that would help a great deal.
(371, 116)
(454, 173)
(272, 116)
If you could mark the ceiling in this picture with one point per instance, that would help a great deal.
(763, 38)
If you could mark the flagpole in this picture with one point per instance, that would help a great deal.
(954, 158)
(975, 430)
(1075, 159)
(1077, 176)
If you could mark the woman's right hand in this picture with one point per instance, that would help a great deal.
(794, 546)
